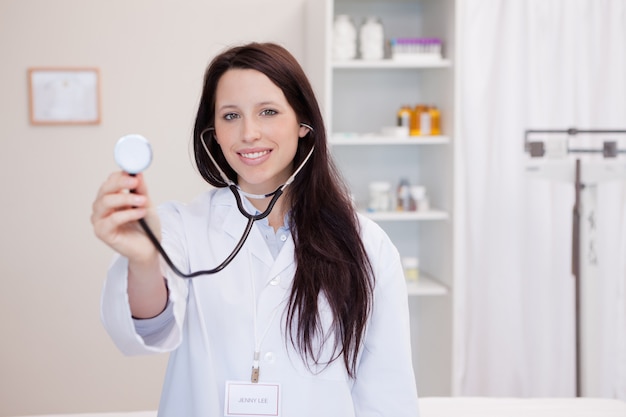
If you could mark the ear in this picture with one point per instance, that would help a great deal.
(211, 133)
(304, 130)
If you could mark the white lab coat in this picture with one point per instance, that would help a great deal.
(212, 337)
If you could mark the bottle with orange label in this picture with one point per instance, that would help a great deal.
(435, 121)
(415, 120)
(425, 121)
(420, 121)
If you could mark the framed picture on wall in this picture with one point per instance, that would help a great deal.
(64, 96)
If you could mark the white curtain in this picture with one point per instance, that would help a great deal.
(540, 64)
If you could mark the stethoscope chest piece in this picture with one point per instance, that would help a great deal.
(133, 153)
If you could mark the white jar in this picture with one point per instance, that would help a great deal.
(344, 38)
(411, 268)
(380, 196)
(418, 193)
(372, 39)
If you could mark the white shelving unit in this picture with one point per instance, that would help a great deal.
(359, 98)
(408, 215)
(390, 64)
(351, 139)
(426, 286)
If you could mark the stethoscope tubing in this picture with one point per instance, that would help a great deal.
(251, 217)
(215, 270)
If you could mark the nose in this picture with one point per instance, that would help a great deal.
(251, 130)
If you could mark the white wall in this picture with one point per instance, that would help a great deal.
(54, 354)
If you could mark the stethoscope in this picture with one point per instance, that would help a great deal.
(133, 154)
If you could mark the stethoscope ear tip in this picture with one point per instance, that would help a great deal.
(133, 153)
(308, 126)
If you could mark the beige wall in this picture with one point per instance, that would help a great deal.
(54, 354)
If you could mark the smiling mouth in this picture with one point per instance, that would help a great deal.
(254, 155)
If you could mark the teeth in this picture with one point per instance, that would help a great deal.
(254, 155)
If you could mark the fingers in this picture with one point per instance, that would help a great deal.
(119, 182)
(115, 212)
(110, 203)
(108, 228)
(114, 195)
(115, 205)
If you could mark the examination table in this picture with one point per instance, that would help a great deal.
(473, 407)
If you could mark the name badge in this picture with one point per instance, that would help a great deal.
(248, 399)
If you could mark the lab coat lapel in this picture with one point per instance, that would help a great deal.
(284, 266)
(235, 224)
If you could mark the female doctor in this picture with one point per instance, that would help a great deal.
(311, 316)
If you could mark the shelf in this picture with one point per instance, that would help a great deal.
(407, 215)
(360, 98)
(391, 64)
(349, 139)
(425, 286)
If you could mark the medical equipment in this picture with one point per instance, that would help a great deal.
(549, 151)
(133, 154)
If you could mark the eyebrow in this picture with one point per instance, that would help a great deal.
(261, 104)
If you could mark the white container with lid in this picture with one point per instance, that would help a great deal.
(410, 265)
(372, 39)
(344, 38)
(380, 196)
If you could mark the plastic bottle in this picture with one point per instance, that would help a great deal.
(344, 38)
(372, 39)
(404, 117)
(410, 265)
(403, 196)
(435, 121)
(425, 122)
(418, 193)
(415, 120)
(380, 196)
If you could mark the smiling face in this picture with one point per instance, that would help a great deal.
(256, 129)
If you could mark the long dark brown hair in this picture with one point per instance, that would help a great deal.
(330, 256)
